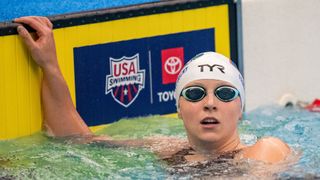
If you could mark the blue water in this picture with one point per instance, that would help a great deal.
(11, 9)
(40, 157)
(298, 127)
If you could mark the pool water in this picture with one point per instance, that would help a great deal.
(41, 157)
(16, 8)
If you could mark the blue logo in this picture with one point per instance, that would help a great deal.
(125, 80)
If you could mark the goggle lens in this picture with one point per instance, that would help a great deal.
(194, 93)
(197, 93)
(226, 93)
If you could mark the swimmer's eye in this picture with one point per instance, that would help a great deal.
(193, 93)
(226, 93)
(197, 93)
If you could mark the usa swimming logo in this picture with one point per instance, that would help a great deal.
(125, 80)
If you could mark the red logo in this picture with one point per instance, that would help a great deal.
(172, 63)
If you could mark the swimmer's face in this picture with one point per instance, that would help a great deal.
(210, 119)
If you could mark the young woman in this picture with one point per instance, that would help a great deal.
(209, 94)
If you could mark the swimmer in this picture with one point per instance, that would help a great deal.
(209, 98)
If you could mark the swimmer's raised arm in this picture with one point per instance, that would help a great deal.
(59, 113)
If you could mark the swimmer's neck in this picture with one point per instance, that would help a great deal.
(215, 148)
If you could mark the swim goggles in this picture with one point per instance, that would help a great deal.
(197, 93)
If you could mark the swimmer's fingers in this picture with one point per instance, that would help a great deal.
(41, 46)
(37, 23)
(26, 36)
(43, 21)
(48, 22)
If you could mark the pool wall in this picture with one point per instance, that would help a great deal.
(138, 40)
(280, 51)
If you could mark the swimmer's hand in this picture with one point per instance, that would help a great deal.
(41, 45)
(268, 150)
(61, 118)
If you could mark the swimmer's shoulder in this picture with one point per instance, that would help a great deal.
(267, 149)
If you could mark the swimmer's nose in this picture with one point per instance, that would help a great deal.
(210, 102)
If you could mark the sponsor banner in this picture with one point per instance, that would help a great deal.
(135, 77)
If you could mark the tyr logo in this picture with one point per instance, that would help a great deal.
(221, 68)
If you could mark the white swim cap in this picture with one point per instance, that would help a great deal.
(210, 65)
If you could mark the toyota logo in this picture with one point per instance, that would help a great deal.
(172, 65)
